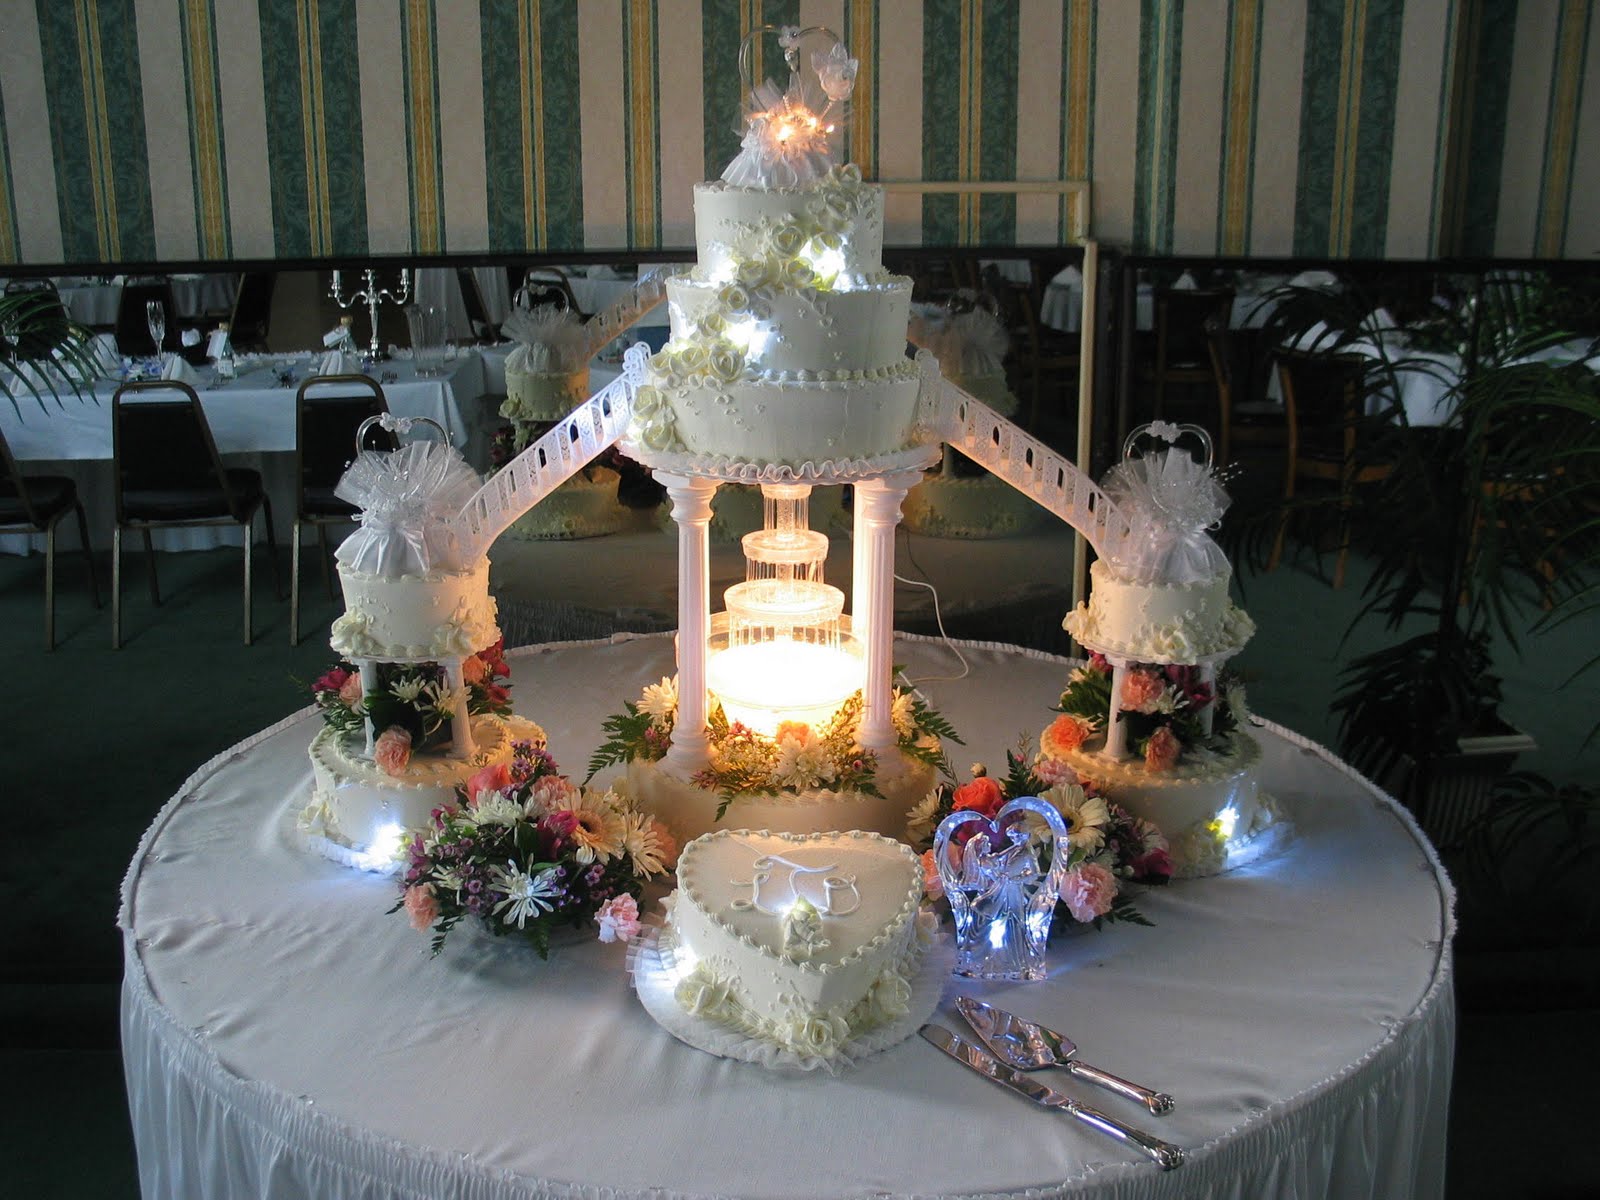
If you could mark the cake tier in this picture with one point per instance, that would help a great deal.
(983, 506)
(357, 805)
(416, 618)
(740, 224)
(541, 397)
(1159, 623)
(810, 417)
(806, 940)
(803, 329)
(1205, 804)
(580, 508)
(690, 811)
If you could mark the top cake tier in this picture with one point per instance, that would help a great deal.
(836, 225)
(1183, 623)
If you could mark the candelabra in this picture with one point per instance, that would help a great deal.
(373, 296)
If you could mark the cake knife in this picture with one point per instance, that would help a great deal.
(1164, 1154)
(1027, 1046)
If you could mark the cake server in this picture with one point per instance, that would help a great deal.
(1027, 1046)
(1164, 1154)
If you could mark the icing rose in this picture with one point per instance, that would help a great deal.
(982, 795)
(753, 273)
(788, 239)
(392, 751)
(659, 434)
(691, 359)
(849, 174)
(734, 298)
(700, 994)
(618, 918)
(1162, 750)
(927, 926)
(819, 1034)
(891, 995)
(725, 362)
(1142, 690)
(350, 690)
(1087, 891)
(713, 324)
(494, 778)
(422, 906)
(1065, 734)
(647, 401)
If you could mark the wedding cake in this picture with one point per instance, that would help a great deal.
(804, 941)
(547, 377)
(1152, 720)
(418, 702)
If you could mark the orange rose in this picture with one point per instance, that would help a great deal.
(474, 670)
(982, 795)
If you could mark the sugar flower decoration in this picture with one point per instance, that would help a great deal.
(836, 71)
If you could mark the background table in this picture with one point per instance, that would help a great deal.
(282, 1036)
(252, 420)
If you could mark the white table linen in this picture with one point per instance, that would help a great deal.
(282, 1036)
(1061, 307)
(194, 295)
(252, 420)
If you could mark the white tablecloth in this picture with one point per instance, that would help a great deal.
(282, 1036)
(96, 303)
(252, 420)
(439, 287)
(1062, 307)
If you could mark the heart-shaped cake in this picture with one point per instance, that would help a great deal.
(805, 940)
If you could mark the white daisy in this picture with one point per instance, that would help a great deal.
(526, 895)
(645, 844)
(903, 714)
(407, 690)
(1086, 816)
(919, 821)
(803, 762)
(660, 700)
(494, 808)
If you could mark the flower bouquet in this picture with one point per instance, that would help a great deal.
(525, 852)
(796, 758)
(1110, 848)
(1163, 706)
(410, 704)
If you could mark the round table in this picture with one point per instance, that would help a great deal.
(283, 1036)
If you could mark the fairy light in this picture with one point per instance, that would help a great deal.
(748, 335)
(384, 848)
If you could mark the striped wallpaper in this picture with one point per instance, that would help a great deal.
(216, 129)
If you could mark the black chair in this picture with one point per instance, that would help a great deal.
(167, 473)
(1324, 396)
(1247, 416)
(36, 504)
(251, 319)
(1182, 361)
(328, 411)
(483, 329)
(133, 327)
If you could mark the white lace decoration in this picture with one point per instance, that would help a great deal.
(1170, 500)
(408, 500)
(786, 131)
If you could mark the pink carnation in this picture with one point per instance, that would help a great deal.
(1066, 733)
(932, 884)
(1051, 771)
(1162, 750)
(1141, 690)
(496, 777)
(618, 918)
(350, 690)
(392, 751)
(1088, 891)
(421, 906)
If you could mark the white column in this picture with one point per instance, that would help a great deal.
(691, 509)
(1116, 732)
(368, 672)
(1208, 674)
(461, 745)
(877, 513)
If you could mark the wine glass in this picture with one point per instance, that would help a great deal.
(155, 316)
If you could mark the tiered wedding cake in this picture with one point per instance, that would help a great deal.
(1149, 720)
(417, 704)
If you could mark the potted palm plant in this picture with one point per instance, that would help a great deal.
(1465, 523)
(42, 349)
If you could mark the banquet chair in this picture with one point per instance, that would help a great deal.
(251, 319)
(329, 409)
(1244, 418)
(1049, 360)
(1182, 360)
(36, 504)
(133, 329)
(167, 474)
(1323, 399)
(483, 329)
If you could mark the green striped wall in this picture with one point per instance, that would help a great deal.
(210, 129)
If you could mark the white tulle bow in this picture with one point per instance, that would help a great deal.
(967, 344)
(408, 498)
(551, 340)
(1171, 501)
(785, 143)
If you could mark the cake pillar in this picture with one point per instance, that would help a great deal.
(367, 671)
(691, 509)
(1116, 732)
(1208, 676)
(877, 513)
(461, 745)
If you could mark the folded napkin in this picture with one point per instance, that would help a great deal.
(1314, 279)
(178, 370)
(1185, 283)
(338, 362)
(1068, 276)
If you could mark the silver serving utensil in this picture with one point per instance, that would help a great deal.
(1164, 1154)
(1028, 1046)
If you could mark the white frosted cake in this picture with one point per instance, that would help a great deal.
(803, 941)
(1159, 622)
(415, 617)
(788, 340)
(543, 395)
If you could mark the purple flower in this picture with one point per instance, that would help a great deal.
(474, 886)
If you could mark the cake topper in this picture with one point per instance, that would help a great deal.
(1171, 499)
(408, 499)
(786, 132)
